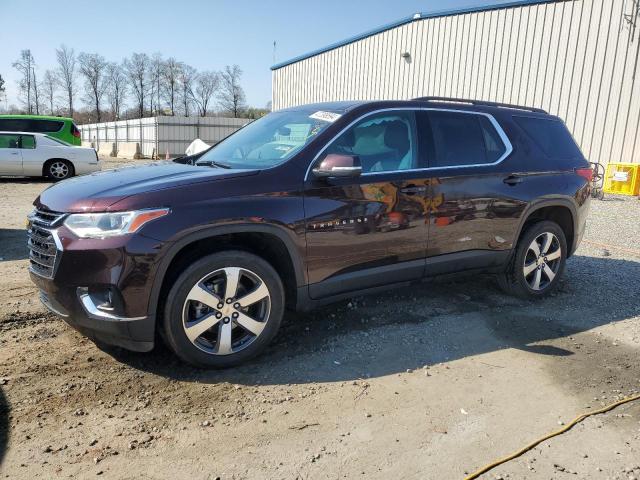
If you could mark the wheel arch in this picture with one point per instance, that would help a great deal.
(559, 210)
(269, 242)
(47, 162)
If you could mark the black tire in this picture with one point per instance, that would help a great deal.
(514, 282)
(59, 169)
(173, 323)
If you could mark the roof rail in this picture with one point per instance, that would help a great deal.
(479, 103)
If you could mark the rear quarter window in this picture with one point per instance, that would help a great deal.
(552, 136)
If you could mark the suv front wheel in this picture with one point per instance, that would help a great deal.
(538, 262)
(223, 309)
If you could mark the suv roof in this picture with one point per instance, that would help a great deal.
(482, 103)
(459, 103)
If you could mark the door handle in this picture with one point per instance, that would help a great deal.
(413, 189)
(512, 180)
(14, 153)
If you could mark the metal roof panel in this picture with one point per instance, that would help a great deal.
(414, 18)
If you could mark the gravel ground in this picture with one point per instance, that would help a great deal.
(429, 382)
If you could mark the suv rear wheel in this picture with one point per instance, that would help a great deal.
(223, 309)
(538, 263)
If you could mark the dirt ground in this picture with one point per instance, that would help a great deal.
(431, 382)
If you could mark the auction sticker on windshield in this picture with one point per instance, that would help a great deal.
(325, 116)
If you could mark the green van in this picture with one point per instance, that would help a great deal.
(58, 127)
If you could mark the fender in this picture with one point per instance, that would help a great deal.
(206, 232)
(548, 202)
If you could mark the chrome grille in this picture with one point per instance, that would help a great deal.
(43, 250)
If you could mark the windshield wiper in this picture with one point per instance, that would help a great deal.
(211, 163)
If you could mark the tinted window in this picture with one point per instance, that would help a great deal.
(45, 126)
(28, 142)
(30, 125)
(463, 139)
(551, 136)
(384, 142)
(9, 141)
(492, 141)
(14, 125)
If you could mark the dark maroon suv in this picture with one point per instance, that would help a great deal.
(306, 206)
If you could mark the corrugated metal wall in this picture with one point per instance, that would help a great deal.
(162, 134)
(577, 59)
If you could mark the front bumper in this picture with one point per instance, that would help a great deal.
(120, 332)
(102, 287)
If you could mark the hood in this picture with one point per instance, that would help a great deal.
(98, 191)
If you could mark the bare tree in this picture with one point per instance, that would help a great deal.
(67, 73)
(3, 92)
(36, 94)
(93, 69)
(116, 88)
(25, 65)
(48, 87)
(136, 69)
(171, 80)
(206, 85)
(156, 66)
(231, 97)
(186, 79)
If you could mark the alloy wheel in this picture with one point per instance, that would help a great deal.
(542, 261)
(59, 170)
(226, 311)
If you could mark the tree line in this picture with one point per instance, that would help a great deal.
(141, 85)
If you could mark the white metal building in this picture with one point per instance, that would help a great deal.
(574, 58)
(156, 136)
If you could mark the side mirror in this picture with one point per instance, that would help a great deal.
(337, 165)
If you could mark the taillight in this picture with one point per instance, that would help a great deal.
(586, 173)
(74, 131)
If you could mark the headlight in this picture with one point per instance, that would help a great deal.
(100, 225)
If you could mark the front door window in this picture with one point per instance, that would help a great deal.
(384, 142)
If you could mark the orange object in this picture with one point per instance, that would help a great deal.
(147, 217)
(443, 221)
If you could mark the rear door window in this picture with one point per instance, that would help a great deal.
(462, 139)
(552, 136)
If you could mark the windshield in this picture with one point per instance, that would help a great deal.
(271, 140)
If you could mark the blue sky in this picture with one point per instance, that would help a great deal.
(205, 34)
